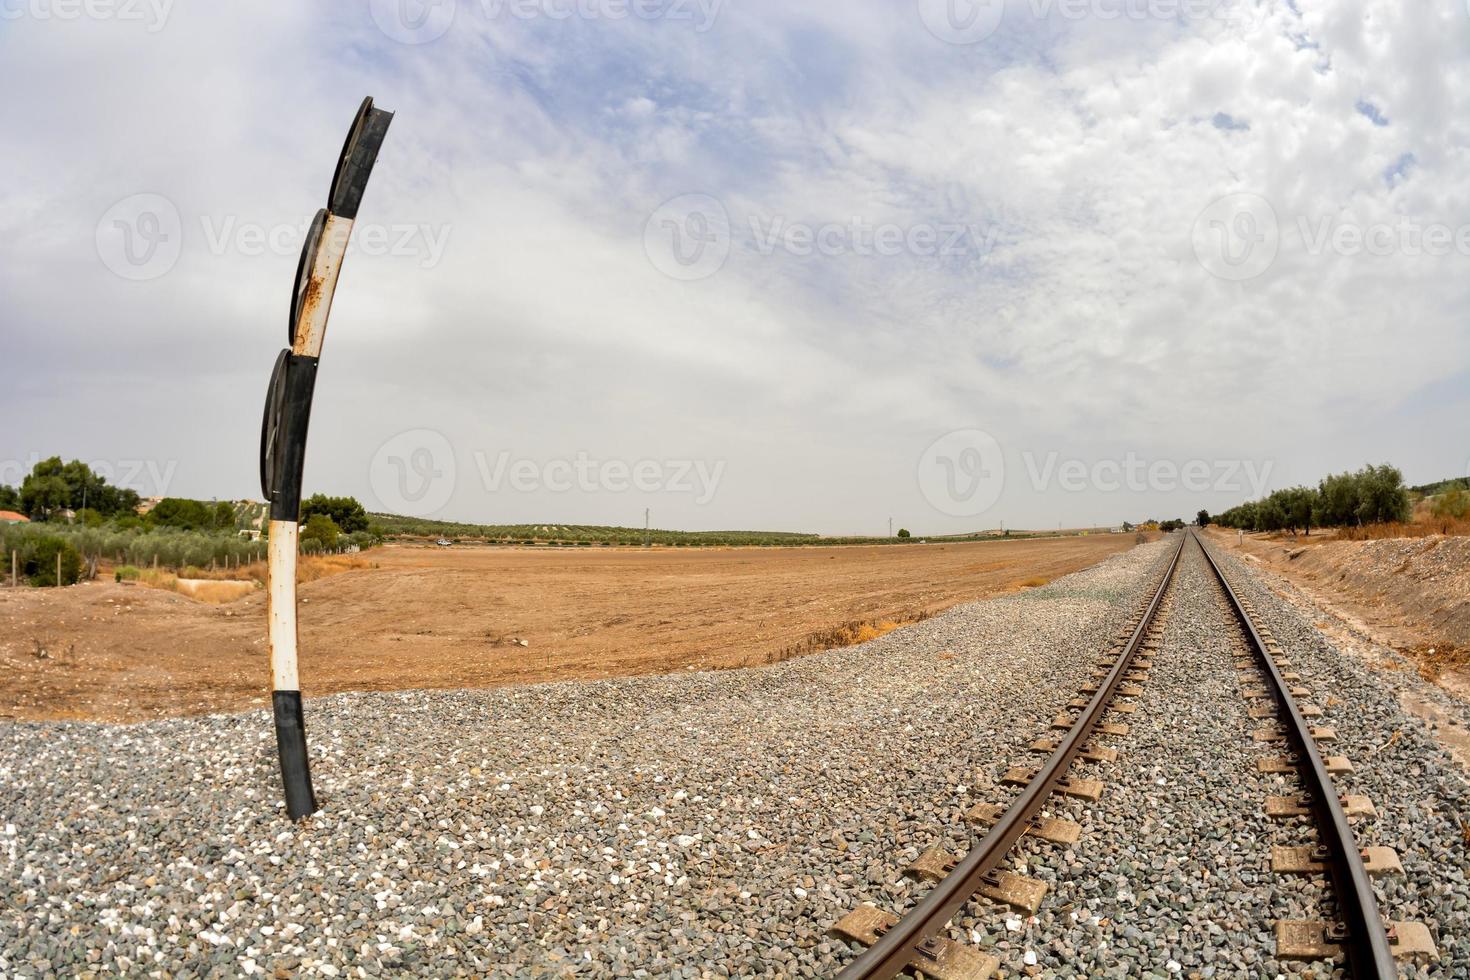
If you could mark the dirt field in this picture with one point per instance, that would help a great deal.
(1411, 594)
(432, 618)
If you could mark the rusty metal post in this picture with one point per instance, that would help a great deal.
(283, 435)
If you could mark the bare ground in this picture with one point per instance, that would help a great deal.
(1409, 594)
(454, 618)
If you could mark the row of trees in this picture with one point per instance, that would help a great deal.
(53, 486)
(1372, 495)
(77, 515)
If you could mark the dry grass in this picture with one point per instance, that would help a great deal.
(214, 591)
(845, 635)
(219, 585)
(1415, 529)
(1434, 661)
(309, 568)
(1035, 582)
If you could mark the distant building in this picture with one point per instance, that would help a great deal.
(11, 517)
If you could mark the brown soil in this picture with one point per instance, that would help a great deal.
(454, 618)
(1410, 594)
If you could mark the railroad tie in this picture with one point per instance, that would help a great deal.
(937, 957)
(1053, 830)
(1004, 887)
(1309, 939)
(1311, 859)
(1286, 807)
(1088, 753)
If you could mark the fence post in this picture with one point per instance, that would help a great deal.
(14, 568)
(58, 569)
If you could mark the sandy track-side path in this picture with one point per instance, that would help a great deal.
(449, 618)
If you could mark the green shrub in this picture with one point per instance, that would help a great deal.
(126, 573)
(1453, 504)
(40, 565)
(320, 533)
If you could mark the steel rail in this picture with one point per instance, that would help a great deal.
(1367, 945)
(890, 955)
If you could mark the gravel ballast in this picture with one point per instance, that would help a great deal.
(708, 824)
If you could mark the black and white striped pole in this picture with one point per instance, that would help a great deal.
(283, 434)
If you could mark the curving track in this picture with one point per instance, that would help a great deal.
(916, 941)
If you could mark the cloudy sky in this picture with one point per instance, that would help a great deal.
(750, 264)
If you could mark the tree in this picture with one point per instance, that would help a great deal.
(903, 532)
(1297, 506)
(42, 496)
(321, 529)
(181, 512)
(1383, 498)
(53, 485)
(1269, 516)
(9, 498)
(224, 515)
(1202, 518)
(345, 512)
(1451, 506)
(40, 563)
(1338, 497)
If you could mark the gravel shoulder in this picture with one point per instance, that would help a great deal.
(684, 825)
(700, 824)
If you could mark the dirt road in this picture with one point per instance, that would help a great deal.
(446, 618)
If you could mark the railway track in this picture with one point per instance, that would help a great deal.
(1315, 821)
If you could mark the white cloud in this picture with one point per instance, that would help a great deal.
(1078, 153)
